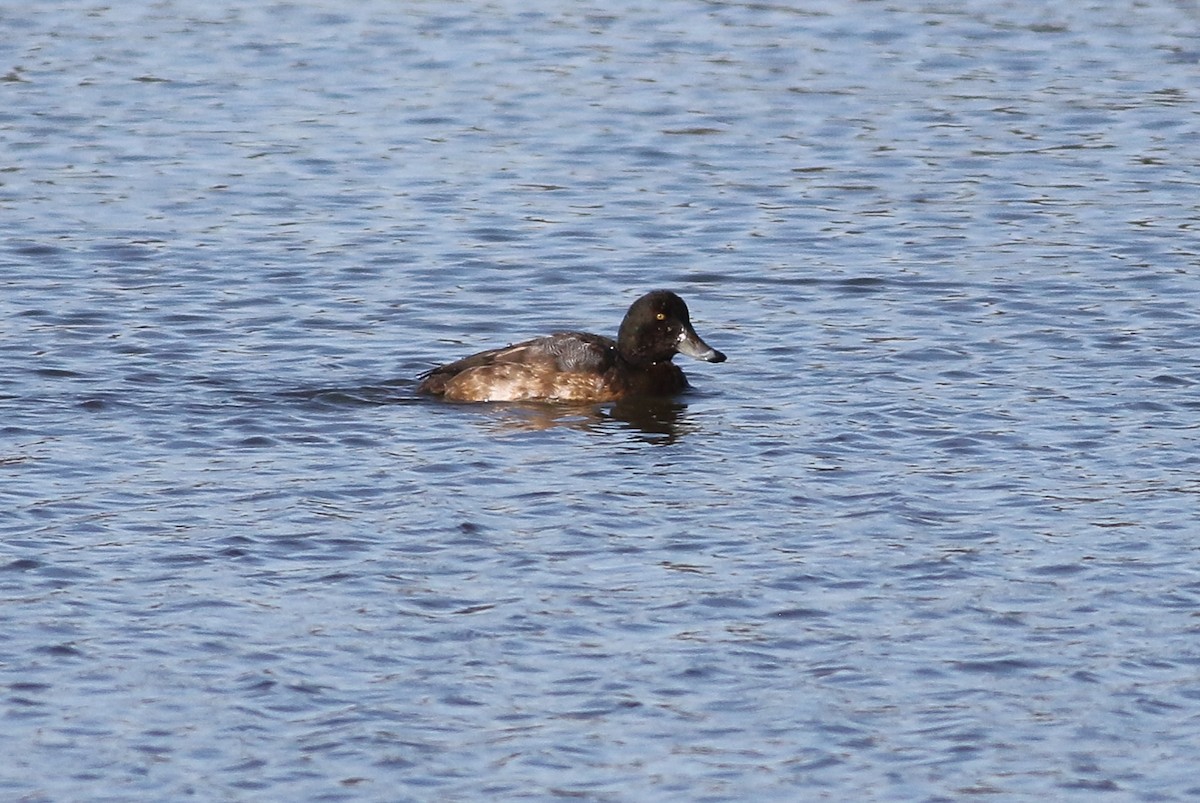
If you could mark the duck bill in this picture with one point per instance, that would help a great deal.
(690, 344)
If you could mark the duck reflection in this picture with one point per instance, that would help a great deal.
(659, 421)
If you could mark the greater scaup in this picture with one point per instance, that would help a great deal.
(579, 367)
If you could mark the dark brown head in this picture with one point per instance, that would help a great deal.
(657, 327)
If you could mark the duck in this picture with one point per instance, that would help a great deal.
(581, 367)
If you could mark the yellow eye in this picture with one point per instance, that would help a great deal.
(662, 316)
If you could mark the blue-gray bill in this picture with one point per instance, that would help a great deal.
(691, 345)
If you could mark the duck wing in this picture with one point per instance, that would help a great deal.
(561, 352)
(577, 352)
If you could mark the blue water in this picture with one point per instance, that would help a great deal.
(930, 534)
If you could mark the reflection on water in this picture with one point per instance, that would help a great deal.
(657, 421)
(663, 421)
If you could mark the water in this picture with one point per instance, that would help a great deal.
(929, 534)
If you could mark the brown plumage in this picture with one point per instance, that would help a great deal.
(581, 367)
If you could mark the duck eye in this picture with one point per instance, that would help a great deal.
(662, 316)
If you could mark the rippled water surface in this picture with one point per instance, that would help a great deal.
(931, 533)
